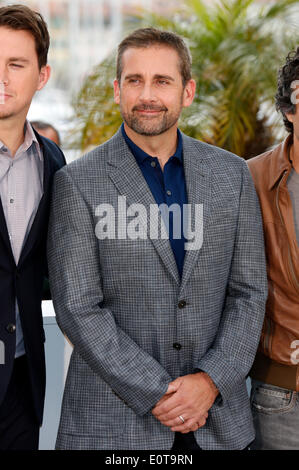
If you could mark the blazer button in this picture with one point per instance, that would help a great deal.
(177, 346)
(11, 328)
(182, 304)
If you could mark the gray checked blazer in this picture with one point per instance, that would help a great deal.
(118, 300)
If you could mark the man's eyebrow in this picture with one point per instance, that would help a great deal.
(133, 75)
(156, 77)
(165, 77)
(18, 59)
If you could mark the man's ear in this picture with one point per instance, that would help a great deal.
(44, 76)
(116, 91)
(189, 92)
(289, 117)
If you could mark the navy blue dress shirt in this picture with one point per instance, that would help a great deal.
(167, 186)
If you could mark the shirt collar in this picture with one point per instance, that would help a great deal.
(140, 155)
(280, 163)
(29, 139)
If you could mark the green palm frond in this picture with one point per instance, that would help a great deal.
(237, 47)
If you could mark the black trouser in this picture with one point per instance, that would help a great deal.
(188, 442)
(19, 428)
(185, 442)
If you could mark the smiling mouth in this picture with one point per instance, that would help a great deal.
(149, 111)
(149, 107)
(3, 98)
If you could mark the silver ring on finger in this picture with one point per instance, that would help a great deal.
(182, 419)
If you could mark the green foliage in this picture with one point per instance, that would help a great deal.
(97, 116)
(237, 48)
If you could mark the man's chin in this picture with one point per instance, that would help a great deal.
(151, 133)
(147, 130)
(5, 114)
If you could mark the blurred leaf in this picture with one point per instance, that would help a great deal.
(237, 47)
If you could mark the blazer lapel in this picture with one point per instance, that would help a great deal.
(4, 231)
(128, 178)
(198, 183)
(42, 212)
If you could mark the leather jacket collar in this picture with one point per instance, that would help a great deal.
(281, 163)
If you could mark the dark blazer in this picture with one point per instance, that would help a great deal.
(24, 282)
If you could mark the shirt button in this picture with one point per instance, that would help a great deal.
(182, 303)
(11, 328)
(168, 192)
(11, 201)
(153, 164)
(177, 346)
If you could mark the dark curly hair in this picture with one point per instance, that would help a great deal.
(286, 76)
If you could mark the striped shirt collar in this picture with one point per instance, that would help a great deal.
(29, 139)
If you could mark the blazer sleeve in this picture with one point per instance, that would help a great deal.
(230, 358)
(75, 282)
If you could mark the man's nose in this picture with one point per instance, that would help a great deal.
(3, 76)
(147, 93)
(2, 91)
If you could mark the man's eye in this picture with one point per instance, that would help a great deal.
(162, 82)
(18, 66)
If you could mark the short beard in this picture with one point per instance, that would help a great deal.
(146, 127)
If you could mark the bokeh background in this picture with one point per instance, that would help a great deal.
(237, 48)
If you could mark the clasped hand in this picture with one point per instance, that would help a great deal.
(187, 399)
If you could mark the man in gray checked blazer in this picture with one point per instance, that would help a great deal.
(164, 328)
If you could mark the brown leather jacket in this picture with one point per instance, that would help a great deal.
(278, 353)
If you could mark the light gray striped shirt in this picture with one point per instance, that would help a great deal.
(21, 189)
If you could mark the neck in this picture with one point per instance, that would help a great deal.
(161, 146)
(12, 134)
